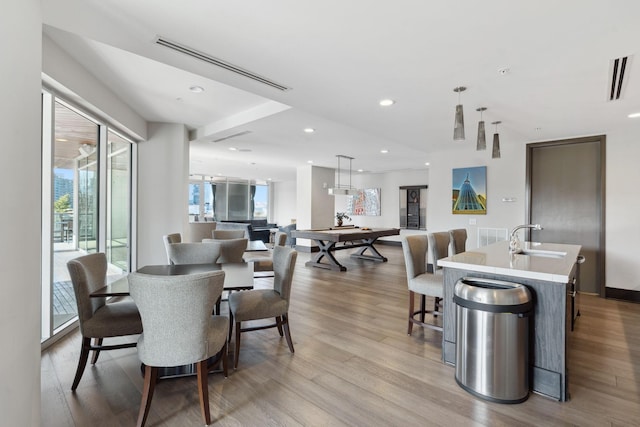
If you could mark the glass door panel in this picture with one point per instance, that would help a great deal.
(74, 203)
(118, 201)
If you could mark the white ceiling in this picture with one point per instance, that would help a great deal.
(341, 57)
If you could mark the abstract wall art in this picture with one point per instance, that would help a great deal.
(469, 195)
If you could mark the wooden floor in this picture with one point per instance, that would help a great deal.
(354, 365)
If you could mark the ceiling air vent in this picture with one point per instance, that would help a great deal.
(218, 62)
(232, 136)
(617, 83)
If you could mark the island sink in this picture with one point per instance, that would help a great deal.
(542, 253)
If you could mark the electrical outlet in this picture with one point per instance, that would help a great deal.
(472, 221)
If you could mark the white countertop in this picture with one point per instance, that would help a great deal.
(552, 263)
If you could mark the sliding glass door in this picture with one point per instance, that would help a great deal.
(87, 181)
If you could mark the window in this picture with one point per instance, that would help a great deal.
(225, 199)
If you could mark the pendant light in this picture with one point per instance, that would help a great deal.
(458, 126)
(482, 137)
(496, 142)
(343, 190)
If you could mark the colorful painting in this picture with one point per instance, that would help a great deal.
(469, 194)
(366, 202)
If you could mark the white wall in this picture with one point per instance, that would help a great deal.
(505, 178)
(314, 206)
(284, 206)
(163, 189)
(20, 186)
(623, 206)
(76, 83)
(389, 184)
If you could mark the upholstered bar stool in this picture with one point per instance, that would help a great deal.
(458, 238)
(421, 282)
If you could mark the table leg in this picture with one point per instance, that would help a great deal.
(377, 256)
(326, 249)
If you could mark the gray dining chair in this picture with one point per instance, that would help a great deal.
(228, 234)
(458, 240)
(169, 239)
(193, 253)
(265, 303)
(179, 329)
(98, 318)
(230, 250)
(421, 282)
(265, 264)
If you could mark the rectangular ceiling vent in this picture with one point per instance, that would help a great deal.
(218, 62)
(617, 82)
(232, 136)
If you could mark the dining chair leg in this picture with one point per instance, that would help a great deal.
(279, 325)
(411, 308)
(423, 307)
(225, 356)
(217, 307)
(150, 379)
(230, 325)
(287, 332)
(97, 342)
(203, 391)
(84, 355)
(236, 354)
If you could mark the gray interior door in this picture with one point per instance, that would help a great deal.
(565, 183)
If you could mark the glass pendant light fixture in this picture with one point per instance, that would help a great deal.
(496, 142)
(458, 126)
(343, 190)
(482, 137)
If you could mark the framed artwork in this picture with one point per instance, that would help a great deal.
(469, 195)
(366, 202)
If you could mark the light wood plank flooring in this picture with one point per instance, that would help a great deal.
(354, 365)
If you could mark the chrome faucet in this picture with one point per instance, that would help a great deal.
(514, 242)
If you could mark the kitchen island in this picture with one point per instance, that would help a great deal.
(548, 270)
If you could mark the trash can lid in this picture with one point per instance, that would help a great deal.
(492, 295)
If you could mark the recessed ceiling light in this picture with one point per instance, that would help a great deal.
(268, 179)
(309, 130)
(387, 102)
(196, 89)
(233, 149)
(384, 151)
(634, 115)
(360, 170)
(310, 161)
(427, 163)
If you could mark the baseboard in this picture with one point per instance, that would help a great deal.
(622, 294)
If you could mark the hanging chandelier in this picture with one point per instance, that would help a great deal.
(339, 189)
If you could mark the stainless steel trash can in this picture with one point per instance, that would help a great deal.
(492, 339)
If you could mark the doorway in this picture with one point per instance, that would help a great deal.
(566, 195)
